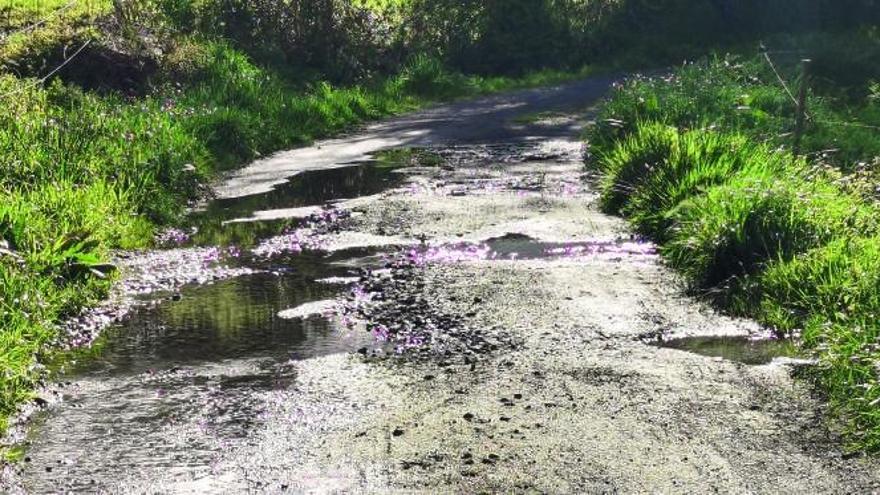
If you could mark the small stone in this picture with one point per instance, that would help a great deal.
(397, 432)
(468, 416)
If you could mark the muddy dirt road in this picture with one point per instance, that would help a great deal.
(469, 323)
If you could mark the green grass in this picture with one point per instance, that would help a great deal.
(23, 13)
(732, 230)
(701, 162)
(833, 294)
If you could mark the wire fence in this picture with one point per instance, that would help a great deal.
(802, 108)
(46, 77)
(48, 9)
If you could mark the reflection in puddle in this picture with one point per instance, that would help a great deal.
(523, 247)
(310, 188)
(179, 383)
(518, 246)
(740, 349)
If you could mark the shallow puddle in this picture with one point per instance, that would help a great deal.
(518, 246)
(310, 188)
(739, 349)
(177, 383)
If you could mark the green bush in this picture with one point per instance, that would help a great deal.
(699, 161)
(631, 161)
(734, 229)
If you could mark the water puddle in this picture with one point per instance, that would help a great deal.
(216, 224)
(739, 349)
(179, 382)
(522, 247)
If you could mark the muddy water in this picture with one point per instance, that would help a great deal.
(180, 381)
(739, 349)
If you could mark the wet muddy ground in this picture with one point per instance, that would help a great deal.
(467, 325)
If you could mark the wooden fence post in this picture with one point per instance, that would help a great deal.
(801, 115)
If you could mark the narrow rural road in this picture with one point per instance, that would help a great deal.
(530, 362)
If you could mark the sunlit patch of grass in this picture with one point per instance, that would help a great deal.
(698, 160)
(736, 228)
(18, 14)
(625, 165)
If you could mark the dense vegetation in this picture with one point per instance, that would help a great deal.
(702, 161)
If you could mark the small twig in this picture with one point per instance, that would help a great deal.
(42, 21)
(781, 80)
(47, 76)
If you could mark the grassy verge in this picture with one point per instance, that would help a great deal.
(700, 160)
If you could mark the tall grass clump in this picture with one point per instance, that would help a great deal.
(837, 283)
(832, 295)
(653, 170)
(631, 161)
(700, 161)
(734, 229)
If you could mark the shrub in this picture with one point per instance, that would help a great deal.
(629, 163)
(734, 229)
(699, 161)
